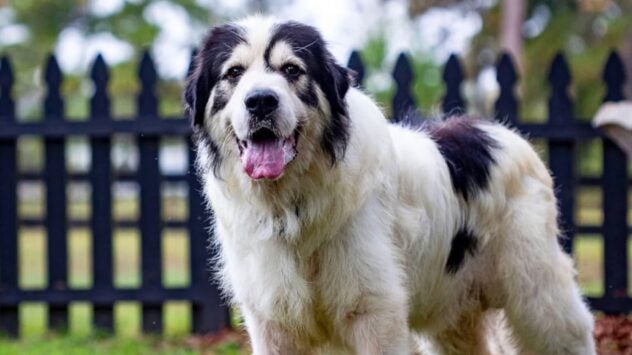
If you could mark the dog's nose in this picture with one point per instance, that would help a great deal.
(261, 102)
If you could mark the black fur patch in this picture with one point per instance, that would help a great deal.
(308, 95)
(333, 80)
(216, 49)
(219, 101)
(464, 242)
(468, 152)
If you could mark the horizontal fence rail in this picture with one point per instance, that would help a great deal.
(562, 132)
(209, 311)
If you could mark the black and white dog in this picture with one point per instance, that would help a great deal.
(338, 230)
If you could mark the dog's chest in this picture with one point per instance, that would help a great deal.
(300, 294)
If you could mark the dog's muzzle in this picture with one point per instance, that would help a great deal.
(265, 152)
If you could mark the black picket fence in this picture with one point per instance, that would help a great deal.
(563, 132)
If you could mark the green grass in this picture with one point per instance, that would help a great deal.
(72, 344)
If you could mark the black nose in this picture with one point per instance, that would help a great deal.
(261, 102)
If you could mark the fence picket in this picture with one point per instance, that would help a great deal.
(355, 64)
(506, 106)
(8, 204)
(615, 194)
(101, 199)
(55, 178)
(562, 152)
(403, 101)
(150, 202)
(453, 103)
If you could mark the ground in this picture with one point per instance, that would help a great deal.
(614, 335)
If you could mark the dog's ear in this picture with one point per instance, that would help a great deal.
(196, 88)
(336, 133)
(216, 48)
(189, 96)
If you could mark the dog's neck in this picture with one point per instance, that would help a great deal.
(290, 207)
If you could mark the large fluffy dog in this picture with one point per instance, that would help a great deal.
(339, 229)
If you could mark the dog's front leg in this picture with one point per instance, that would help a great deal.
(382, 332)
(270, 338)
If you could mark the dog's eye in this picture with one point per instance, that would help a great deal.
(291, 70)
(234, 72)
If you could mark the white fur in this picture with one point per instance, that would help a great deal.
(361, 267)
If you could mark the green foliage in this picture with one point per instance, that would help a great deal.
(45, 20)
(427, 86)
(584, 37)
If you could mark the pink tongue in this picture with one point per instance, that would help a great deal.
(264, 160)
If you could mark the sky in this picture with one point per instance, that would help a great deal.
(345, 24)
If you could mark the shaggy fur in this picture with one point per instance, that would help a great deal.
(372, 233)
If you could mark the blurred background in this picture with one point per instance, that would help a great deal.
(76, 31)
(429, 30)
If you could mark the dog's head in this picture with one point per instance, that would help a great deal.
(267, 95)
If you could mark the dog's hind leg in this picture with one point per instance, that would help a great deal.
(542, 301)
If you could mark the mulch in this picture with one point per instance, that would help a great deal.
(613, 335)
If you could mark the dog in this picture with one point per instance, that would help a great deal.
(339, 230)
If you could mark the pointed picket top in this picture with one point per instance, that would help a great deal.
(6, 73)
(614, 77)
(53, 103)
(560, 103)
(52, 73)
(355, 63)
(147, 100)
(403, 71)
(403, 102)
(453, 77)
(147, 71)
(559, 74)
(506, 105)
(100, 101)
(99, 72)
(506, 71)
(7, 106)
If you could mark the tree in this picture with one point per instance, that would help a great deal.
(45, 20)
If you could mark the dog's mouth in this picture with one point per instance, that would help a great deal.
(265, 153)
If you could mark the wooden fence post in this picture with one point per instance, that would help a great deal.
(506, 106)
(101, 199)
(8, 204)
(403, 102)
(355, 64)
(55, 177)
(150, 200)
(562, 152)
(453, 103)
(615, 194)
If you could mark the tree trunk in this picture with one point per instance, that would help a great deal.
(512, 18)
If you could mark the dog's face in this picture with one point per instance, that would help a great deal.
(265, 94)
